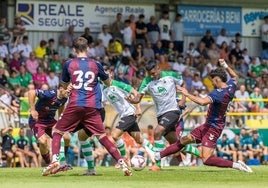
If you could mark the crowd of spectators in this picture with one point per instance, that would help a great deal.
(126, 46)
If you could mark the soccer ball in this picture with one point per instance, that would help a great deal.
(138, 162)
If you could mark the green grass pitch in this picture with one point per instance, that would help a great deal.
(169, 177)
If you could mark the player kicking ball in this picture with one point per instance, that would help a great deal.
(208, 133)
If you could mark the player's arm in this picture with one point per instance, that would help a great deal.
(201, 101)
(31, 99)
(228, 69)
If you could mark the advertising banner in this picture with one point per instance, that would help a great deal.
(198, 19)
(58, 16)
(252, 19)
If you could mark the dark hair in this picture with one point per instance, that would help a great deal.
(141, 16)
(127, 21)
(150, 127)
(150, 65)
(178, 15)
(80, 44)
(220, 73)
(25, 37)
(51, 40)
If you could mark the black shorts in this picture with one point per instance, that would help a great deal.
(169, 120)
(128, 124)
(5, 150)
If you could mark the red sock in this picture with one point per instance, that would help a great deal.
(111, 148)
(56, 143)
(46, 158)
(220, 162)
(173, 148)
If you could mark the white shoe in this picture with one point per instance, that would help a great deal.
(244, 167)
(53, 167)
(124, 167)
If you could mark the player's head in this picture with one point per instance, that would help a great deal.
(153, 69)
(22, 132)
(80, 45)
(62, 93)
(218, 76)
(255, 134)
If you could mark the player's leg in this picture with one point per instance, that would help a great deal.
(116, 135)
(95, 126)
(21, 157)
(265, 155)
(9, 156)
(33, 156)
(87, 152)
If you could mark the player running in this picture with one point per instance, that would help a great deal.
(161, 85)
(208, 133)
(84, 103)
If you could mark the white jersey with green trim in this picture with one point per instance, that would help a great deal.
(116, 97)
(163, 91)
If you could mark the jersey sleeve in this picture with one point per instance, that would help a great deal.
(34, 141)
(122, 85)
(42, 94)
(101, 73)
(144, 85)
(65, 76)
(213, 96)
(232, 83)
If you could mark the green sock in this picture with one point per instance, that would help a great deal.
(88, 154)
(191, 149)
(159, 145)
(121, 147)
(62, 154)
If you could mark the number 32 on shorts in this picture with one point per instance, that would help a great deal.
(88, 76)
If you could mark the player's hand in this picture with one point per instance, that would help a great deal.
(223, 63)
(69, 88)
(131, 99)
(182, 90)
(34, 114)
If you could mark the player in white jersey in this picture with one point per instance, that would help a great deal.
(116, 95)
(161, 85)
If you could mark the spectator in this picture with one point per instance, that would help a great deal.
(50, 50)
(19, 27)
(100, 51)
(237, 39)
(153, 31)
(263, 83)
(25, 47)
(105, 36)
(235, 145)
(196, 82)
(165, 26)
(163, 63)
(172, 54)
(4, 54)
(127, 64)
(201, 49)
(208, 39)
(246, 56)
(159, 50)
(9, 148)
(32, 64)
(251, 82)
(52, 80)
(253, 66)
(242, 94)
(22, 143)
(224, 51)
(223, 149)
(237, 52)
(187, 78)
(222, 37)
(127, 33)
(25, 77)
(3, 78)
(141, 30)
(114, 51)
(4, 31)
(55, 64)
(193, 54)
(179, 66)
(148, 52)
(87, 35)
(64, 50)
(264, 33)
(39, 78)
(69, 36)
(40, 50)
(13, 80)
(177, 32)
(116, 28)
(213, 54)
(91, 50)
(133, 28)
(138, 56)
(264, 54)
(208, 67)
(15, 63)
(256, 105)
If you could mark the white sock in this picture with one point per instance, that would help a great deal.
(157, 156)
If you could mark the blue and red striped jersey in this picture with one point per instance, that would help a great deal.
(83, 73)
(47, 105)
(220, 99)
